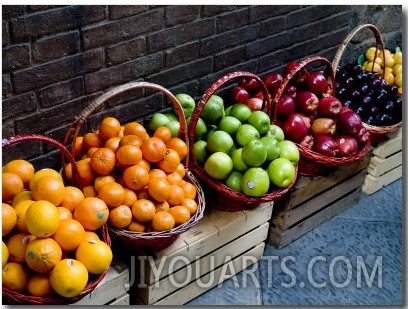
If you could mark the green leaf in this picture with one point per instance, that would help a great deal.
(361, 59)
(397, 49)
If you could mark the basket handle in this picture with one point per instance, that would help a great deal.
(38, 137)
(211, 90)
(302, 64)
(99, 101)
(379, 44)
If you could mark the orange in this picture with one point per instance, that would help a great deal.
(135, 177)
(96, 255)
(42, 218)
(130, 140)
(143, 210)
(91, 235)
(11, 185)
(135, 226)
(100, 181)
(85, 171)
(8, 218)
(190, 190)
(128, 155)
(90, 152)
(42, 254)
(72, 196)
(44, 172)
(112, 143)
(163, 221)
(16, 245)
(69, 235)
(164, 206)
(153, 149)
(21, 196)
(135, 128)
(4, 254)
(190, 204)
(170, 161)
(64, 213)
(89, 191)
(181, 214)
(143, 193)
(92, 213)
(50, 189)
(157, 172)
(162, 132)
(103, 161)
(181, 169)
(15, 276)
(145, 164)
(92, 139)
(78, 150)
(176, 195)
(130, 197)
(159, 189)
(39, 285)
(67, 171)
(112, 194)
(120, 217)
(69, 277)
(174, 178)
(21, 209)
(178, 145)
(22, 168)
(109, 127)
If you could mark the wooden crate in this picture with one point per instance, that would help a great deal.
(386, 163)
(219, 246)
(314, 200)
(113, 289)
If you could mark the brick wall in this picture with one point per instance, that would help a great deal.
(57, 59)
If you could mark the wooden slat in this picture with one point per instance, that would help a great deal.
(122, 300)
(280, 238)
(373, 184)
(203, 265)
(390, 146)
(379, 166)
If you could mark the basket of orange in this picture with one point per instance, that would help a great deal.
(239, 162)
(50, 256)
(327, 133)
(372, 85)
(143, 176)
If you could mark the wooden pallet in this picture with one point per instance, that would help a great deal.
(314, 200)
(386, 164)
(112, 290)
(219, 246)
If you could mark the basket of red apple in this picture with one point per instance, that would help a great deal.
(369, 86)
(241, 160)
(327, 133)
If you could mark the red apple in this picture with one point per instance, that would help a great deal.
(325, 145)
(306, 119)
(349, 122)
(255, 104)
(250, 84)
(291, 90)
(285, 107)
(329, 106)
(239, 94)
(348, 145)
(294, 128)
(306, 102)
(259, 94)
(363, 136)
(300, 76)
(323, 126)
(316, 82)
(307, 141)
(272, 81)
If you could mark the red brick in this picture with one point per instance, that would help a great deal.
(16, 57)
(126, 51)
(62, 92)
(121, 11)
(55, 47)
(18, 105)
(178, 14)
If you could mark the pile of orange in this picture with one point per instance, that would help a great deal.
(139, 175)
(47, 250)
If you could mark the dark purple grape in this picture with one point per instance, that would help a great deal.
(392, 90)
(349, 82)
(374, 110)
(389, 107)
(366, 102)
(369, 119)
(354, 94)
(384, 120)
(381, 98)
(349, 104)
(361, 111)
(375, 84)
(341, 93)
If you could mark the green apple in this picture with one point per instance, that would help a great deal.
(239, 164)
(157, 120)
(272, 147)
(172, 116)
(234, 181)
(218, 165)
(187, 103)
(220, 141)
(254, 153)
(281, 172)
(200, 130)
(174, 126)
(260, 120)
(213, 110)
(290, 151)
(200, 151)
(246, 133)
(229, 124)
(255, 182)
(276, 131)
(240, 111)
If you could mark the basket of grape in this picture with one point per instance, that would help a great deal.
(327, 134)
(49, 258)
(239, 162)
(367, 86)
(143, 177)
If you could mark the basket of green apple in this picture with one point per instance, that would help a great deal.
(243, 159)
(327, 133)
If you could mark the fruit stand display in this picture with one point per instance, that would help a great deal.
(56, 245)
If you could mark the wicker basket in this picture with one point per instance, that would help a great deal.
(312, 163)
(218, 195)
(377, 133)
(146, 241)
(13, 297)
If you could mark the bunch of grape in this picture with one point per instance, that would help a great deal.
(370, 96)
